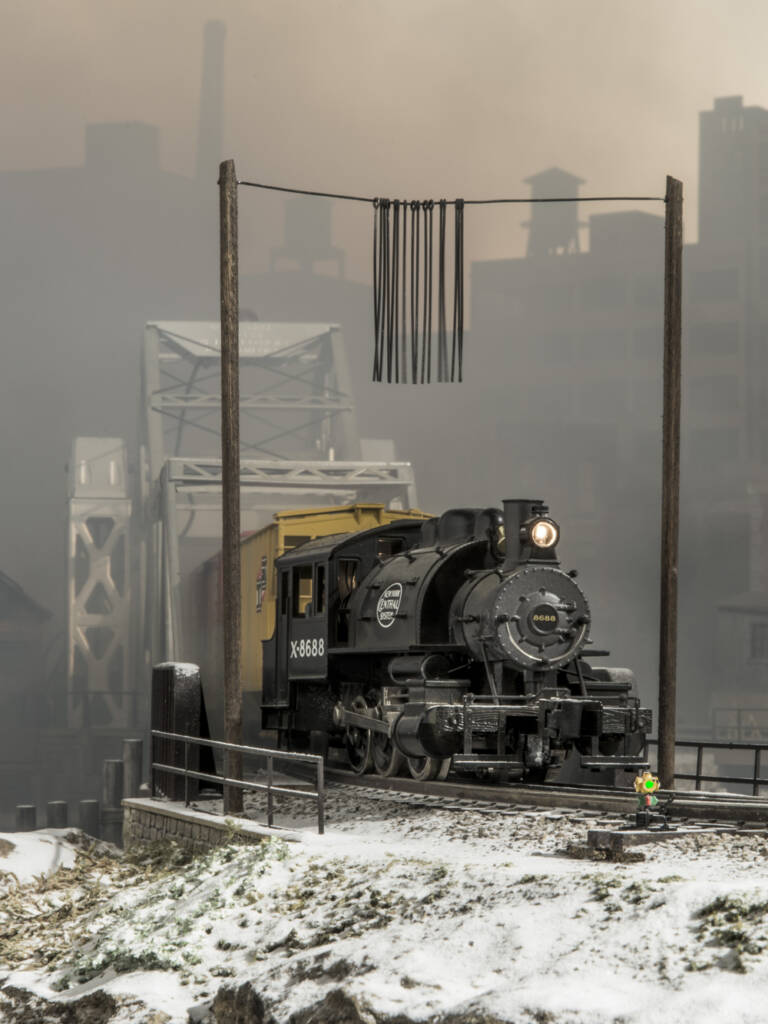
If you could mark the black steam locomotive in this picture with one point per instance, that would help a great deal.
(455, 641)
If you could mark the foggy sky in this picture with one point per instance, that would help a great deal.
(416, 98)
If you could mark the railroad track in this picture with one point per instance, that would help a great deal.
(511, 798)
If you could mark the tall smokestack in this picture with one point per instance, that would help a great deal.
(211, 103)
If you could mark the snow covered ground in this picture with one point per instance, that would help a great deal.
(415, 914)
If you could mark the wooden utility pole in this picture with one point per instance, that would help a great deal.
(230, 472)
(670, 487)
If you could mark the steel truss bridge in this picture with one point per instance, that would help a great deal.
(300, 447)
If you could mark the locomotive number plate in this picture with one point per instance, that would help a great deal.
(312, 647)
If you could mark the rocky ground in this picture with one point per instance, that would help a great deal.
(397, 914)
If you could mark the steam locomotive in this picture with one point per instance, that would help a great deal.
(457, 641)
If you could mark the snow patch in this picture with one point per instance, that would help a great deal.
(25, 855)
(418, 913)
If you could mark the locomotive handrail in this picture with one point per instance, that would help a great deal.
(754, 780)
(268, 753)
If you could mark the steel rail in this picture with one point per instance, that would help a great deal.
(690, 805)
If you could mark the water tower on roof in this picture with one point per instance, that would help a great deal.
(553, 227)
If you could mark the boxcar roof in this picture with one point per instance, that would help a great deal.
(324, 510)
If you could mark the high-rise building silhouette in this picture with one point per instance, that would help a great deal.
(733, 174)
(575, 338)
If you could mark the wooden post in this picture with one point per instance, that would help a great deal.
(230, 462)
(56, 814)
(133, 756)
(111, 801)
(670, 488)
(26, 817)
(89, 817)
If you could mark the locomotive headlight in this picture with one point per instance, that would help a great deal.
(543, 532)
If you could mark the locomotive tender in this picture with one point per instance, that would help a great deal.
(451, 641)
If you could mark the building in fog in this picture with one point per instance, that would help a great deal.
(90, 253)
(24, 704)
(576, 332)
(728, 303)
(739, 706)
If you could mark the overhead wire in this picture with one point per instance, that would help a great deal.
(466, 202)
(403, 262)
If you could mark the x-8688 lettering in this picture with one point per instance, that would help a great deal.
(312, 647)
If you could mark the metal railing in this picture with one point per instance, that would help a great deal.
(700, 746)
(266, 752)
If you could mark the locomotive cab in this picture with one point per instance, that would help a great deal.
(316, 581)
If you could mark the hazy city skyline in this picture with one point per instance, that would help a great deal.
(437, 98)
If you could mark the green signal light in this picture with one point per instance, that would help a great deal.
(650, 784)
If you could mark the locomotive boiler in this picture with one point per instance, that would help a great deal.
(455, 641)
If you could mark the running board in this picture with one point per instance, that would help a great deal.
(628, 763)
(485, 761)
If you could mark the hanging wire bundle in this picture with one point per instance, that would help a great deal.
(404, 301)
(403, 280)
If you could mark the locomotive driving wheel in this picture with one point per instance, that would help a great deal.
(358, 741)
(425, 769)
(387, 759)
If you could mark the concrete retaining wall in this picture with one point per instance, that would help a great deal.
(147, 821)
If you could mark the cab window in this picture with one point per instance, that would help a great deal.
(388, 546)
(346, 579)
(302, 591)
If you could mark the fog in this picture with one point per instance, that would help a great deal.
(108, 206)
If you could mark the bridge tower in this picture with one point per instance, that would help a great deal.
(299, 447)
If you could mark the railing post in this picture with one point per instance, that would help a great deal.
(699, 760)
(186, 773)
(755, 783)
(152, 759)
(320, 797)
(270, 813)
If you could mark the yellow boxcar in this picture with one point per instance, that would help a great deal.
(259, 578)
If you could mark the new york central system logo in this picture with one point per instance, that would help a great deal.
(388, 605)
